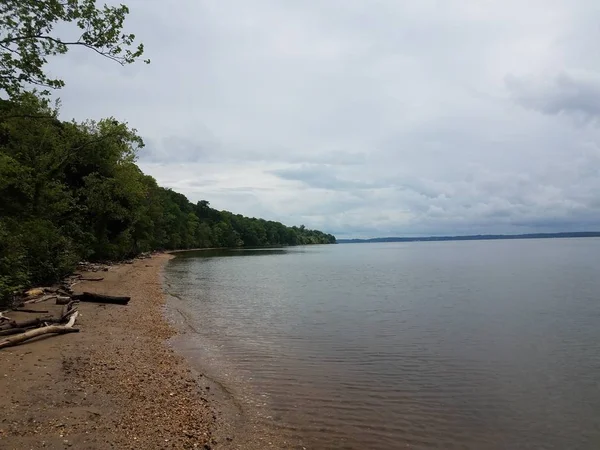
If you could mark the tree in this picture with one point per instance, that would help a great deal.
(28, 37)
(72, 191)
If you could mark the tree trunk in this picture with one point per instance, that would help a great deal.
(50, 329)
(30, 323)
(12, 331)
(67, 310)
(100, 298)
(62, 300)
(40, 299)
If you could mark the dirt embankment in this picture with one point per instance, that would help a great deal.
(116, 384)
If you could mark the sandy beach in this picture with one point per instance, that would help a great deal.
(115, 384)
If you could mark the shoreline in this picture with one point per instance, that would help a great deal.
(116, 384)
(261, 247)
(239, 425)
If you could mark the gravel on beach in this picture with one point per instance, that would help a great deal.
(115, 384)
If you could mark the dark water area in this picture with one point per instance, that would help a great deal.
(424, 345)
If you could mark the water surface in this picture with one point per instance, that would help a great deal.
(423, 345)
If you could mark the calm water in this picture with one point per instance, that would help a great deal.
(454, 345)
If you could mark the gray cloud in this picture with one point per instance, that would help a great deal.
(177, 150)
(363, 118)
(576, 94)
(322, 177)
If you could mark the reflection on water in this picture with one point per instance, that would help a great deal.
(223, 253)
(478, 345)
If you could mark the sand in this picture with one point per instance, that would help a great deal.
(114, 385)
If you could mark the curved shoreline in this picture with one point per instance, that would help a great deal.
(116, 384)
(238, 426)
(125, 380)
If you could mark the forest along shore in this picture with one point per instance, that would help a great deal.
(115, 384)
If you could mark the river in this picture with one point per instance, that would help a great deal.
(421, 345)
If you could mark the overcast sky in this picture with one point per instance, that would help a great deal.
(364, 118)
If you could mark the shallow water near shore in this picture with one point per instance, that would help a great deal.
(476, 345)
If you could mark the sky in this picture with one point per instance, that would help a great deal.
(364, 118)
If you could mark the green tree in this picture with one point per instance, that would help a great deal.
(204, 237)
(28, 37)
(71, 191)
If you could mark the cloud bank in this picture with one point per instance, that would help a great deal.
(364, 118)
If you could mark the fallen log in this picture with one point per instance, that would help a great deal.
(12, 331)
(25, 310)
(100, 298)
(30, 323)
(40, 299)
(50, 329)
(68, 309)
(93, 279)
(62, 300)
(6, 325)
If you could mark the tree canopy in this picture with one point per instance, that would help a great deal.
(72, 191)
(28, 36)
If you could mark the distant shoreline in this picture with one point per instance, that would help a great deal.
(475, 237)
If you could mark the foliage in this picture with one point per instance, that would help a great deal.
(72, 191)
(28, 37)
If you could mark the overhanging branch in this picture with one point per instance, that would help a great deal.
(119, 60)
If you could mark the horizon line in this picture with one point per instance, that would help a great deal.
(558, 234)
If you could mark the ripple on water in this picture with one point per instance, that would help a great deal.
(470, 345)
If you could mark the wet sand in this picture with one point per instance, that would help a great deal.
(115, 384)
(242, 423)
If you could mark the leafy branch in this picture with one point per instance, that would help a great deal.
(27, 39)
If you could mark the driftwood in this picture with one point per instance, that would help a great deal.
(100, 298)
(50, 329)
(6, 325)
(12, 331)
(30, 323)
(40, 299)
(62, 300)
(68, 309)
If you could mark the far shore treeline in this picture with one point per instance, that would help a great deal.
(72, 191)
